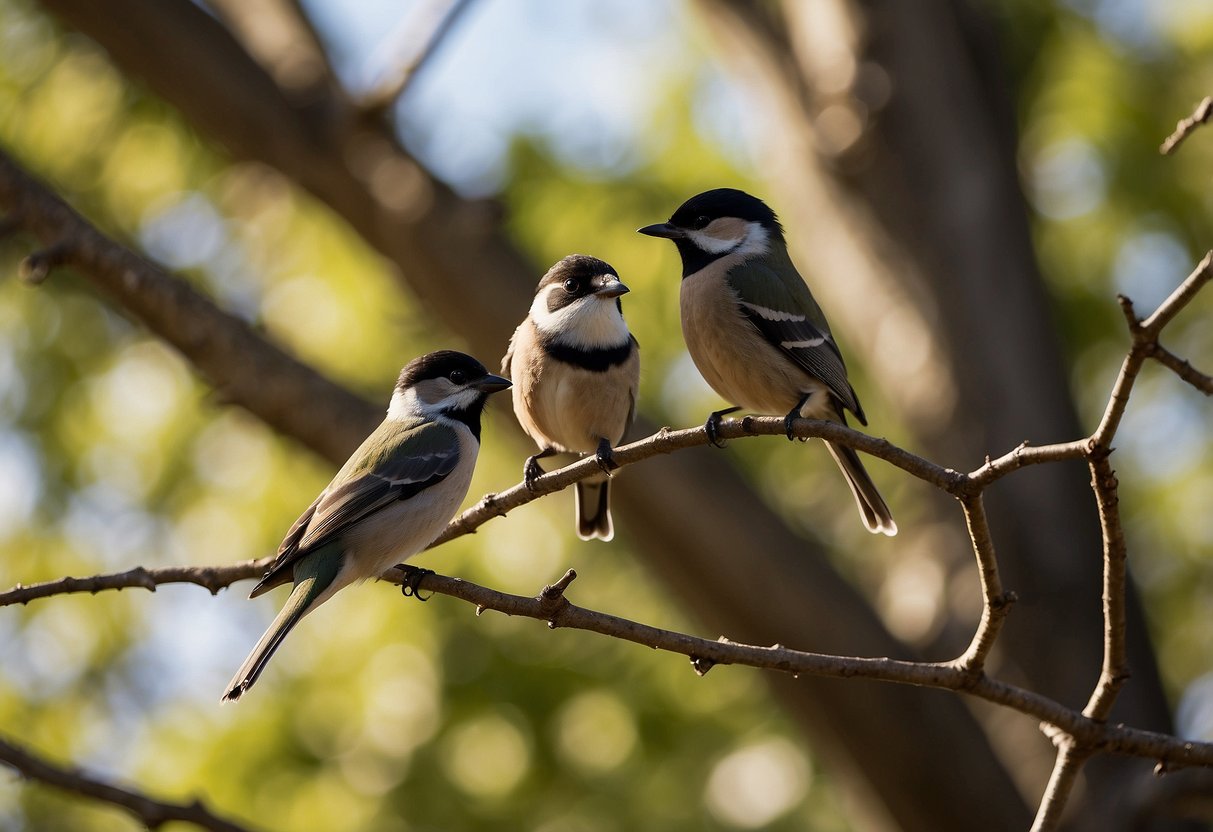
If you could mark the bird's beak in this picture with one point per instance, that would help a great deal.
(609, 286)
(492, 384)
(663, 229)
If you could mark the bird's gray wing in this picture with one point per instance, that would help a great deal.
(791, 321)
(391, 465)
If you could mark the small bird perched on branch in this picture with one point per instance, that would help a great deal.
(389, 501)
(575, 368)
(754, 330)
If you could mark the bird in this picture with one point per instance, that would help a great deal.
(755, 332)
(390, 500)
(575, 367)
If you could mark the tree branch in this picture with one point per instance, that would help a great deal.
(213, 578)
(1061, 783)
(250, 370)
(151, 812)
(552, 606)
(1186, 126)
(416, 49)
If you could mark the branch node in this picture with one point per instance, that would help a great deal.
(1056, 734)
(1126, 308)
(552, 599)
(1002, 603)
(554, 592)
(489, 502)
(36, 266)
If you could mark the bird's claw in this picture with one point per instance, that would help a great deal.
(789, 423)
(410, 586)
(712, 428)
(531, 472)
(605, 457)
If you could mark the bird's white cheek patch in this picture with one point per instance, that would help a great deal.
(404, 405)
(711, 244)
(732, 235)
(591, 322)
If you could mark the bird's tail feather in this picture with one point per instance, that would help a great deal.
(314, 575)
(594, 510)
(872, 508)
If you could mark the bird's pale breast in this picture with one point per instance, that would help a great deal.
(733, 357)
(402, 529)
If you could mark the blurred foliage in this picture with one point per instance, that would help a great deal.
(113, 454)
(1105, 84)
(383, 713)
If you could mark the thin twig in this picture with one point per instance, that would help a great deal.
(667, 441)
(1181, 297)
(213, 578)
(1066, 768)
(1186, 126)
(995, 602)
(151, 812)
(1182, 368)
(1115, 664)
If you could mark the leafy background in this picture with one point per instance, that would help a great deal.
(384, 713)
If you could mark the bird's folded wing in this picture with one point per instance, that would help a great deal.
(397, 469)
(793, 323)
(393, 464)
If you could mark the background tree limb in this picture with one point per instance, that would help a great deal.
(691, 514)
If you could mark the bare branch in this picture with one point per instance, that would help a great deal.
(550, 605)
(1181, 297)
(1061, 782)
(995, 602)
(667, 441)
(213, 578)
(553, 607)
(251, 371)
(151, 812)
(1185, 126)
(417, 48)
(1182, 368)
(1115, 665)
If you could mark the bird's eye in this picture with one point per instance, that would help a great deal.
(701, 222)
(457, 377)
(570, 286)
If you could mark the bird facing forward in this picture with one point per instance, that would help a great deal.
(754, 330)
(389, 501)
(575, 368)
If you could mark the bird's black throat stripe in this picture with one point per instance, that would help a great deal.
(470, 416)
(594, 359)
(694, 258)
